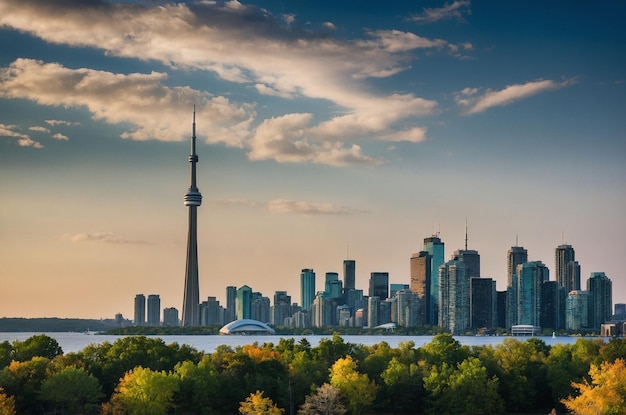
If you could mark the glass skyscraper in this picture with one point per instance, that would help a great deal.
(530, 277)
(435, 249)
(566, 268)
(307, 288)
(349, 274)
(601, 302)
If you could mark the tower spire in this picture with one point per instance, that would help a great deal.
(192, 199)
(466, 234)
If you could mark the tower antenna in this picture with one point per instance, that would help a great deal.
(516, 237)
(466, 234)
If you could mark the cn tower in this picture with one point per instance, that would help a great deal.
(193, 199)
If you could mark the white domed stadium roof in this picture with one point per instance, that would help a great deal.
(246, 326)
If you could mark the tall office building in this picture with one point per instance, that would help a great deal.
(471, 261)
(260, 308)
(281, 308)
(407, 308)
(170, 317)
(373, 303)
(566, 268)
(483, 303)
(349, 274)
(154, 310)
(379, 285)
(307, 288)
(530, 277)
(231, 304)
(332, 286)
(244, 303)
(140, 310)
(211, 312)
(552, 306)
(577, 310)
(515, 256)
(193, 199)
(453, 297)
(420, 283)
(601, 301)
(435, 249)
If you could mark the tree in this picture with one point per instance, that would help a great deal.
(23, 381)
(355, 387)
(145, 392)
(36, 346)
(256, 404)
(6, 352)
(73, 390)
(606, 394)
(325, 401)
(7, 404)
(402, 387)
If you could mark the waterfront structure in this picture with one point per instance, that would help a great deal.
(530, 277)
(140, 310)
(193, 199)
(577, 310)
(420, 283)
(247, 326)
(170, 317)
(230, 313)
(566, 269)
(515, 256)
(453, 297)
(379, 285)
(349, 274)
(307, 288)
(600, 298)
(244, 303)
(483, 303)
(436, 250)
(154, 310)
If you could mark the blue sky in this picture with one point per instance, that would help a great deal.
(325, 129)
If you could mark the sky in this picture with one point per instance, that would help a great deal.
(326, 130)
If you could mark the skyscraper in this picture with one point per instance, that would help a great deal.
(140, 310)
(307, 288)
(577, 310)
(566, 269)
(244, 302)
(349, 274)
(515, 256)
(379, 285)
(453, 297)
(483, 303)
(332, 286)
(420, 283)
(154, 310)
(530, 278)
(231, 301)
(600, 292)
(193, 199)
(435, 249)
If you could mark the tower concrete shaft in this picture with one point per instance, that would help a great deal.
(193, 199)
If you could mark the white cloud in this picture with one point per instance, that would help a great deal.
(456, 10)
(306, 208)
(61, 122)
(61, 137)
(271, 56)
(106, 238)
(23, 140)
(474, 102)
(39, 129)
(133, 98)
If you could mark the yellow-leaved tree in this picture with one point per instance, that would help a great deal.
(606, 394)
(355, 387)
(257, 404)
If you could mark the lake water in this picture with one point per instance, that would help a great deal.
(74, 342)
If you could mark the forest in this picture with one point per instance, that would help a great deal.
(141, 375)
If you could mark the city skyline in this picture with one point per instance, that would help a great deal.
(327, 132)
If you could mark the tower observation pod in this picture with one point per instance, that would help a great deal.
(192, 199)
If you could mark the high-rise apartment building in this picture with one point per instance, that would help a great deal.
(379, 285)
(193, 199)
(530, 277)
(601, 299)
(483, 303)
(260, 307)
(230, 314)
(420, 283)
(408, 304)
(577, 310)
(436, 250)
(566, 269)
(552, 306)
(515, 256)
(154, 310)
(307, 288)
(349, 274)
(211, 312)
(373, 303)
(453, 297)
(471, 261)
(244, 302)
(170, 317)
(333, 286)
(140, 310)
(281, 308)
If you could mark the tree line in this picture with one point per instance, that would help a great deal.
(141, 375)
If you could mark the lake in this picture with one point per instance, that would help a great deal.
(74, 342)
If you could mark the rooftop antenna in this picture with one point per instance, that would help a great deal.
(516, 237)
(466, 234)
(347, 251)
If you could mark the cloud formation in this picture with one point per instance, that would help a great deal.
(273, 56)
(474, 101)
(97, 238)
(23, 140)
(293, 206)
(456, 10)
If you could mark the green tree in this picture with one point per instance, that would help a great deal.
(444, 348)
(402, 387)
(355, 387)
(23, 380)
(73, 390)
(7, 404)
(199, 387)
(325, 401)
(257, 404)
(6, 354)
(145, 392)
(36, 346)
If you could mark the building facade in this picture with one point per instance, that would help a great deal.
(379, 285)
(436, 249)
(307, 288)
(483, 303)
(453, 297)
(600, 290)
(244, 302)
(349, 274)
(154, 310)
(563, 256)
(420, 283)
(530, 277)
(140, 310)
